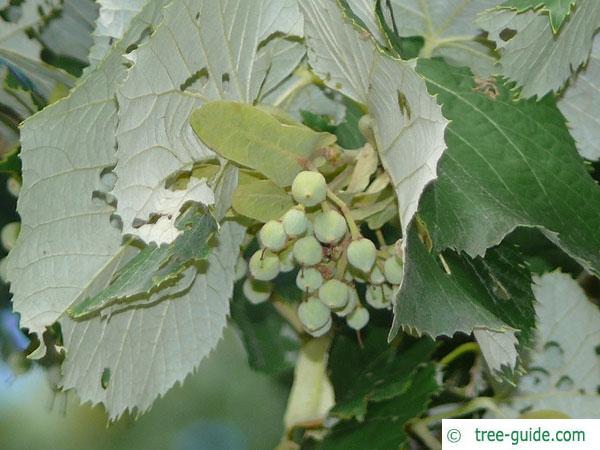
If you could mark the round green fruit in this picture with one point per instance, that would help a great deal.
(294, 222)
(330, 226)
(351, 305)
(376, 276)
(264, 266)
(334, 294)
(286, 260)
(358, 319)
(379, 296)
(321, 331)
(257, 291)
(393, 270)
(309, 279)
(308, 251)
(309, 188)
(313, 314)
(361, 254)
(272, 235)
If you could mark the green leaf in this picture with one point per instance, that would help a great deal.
(491, 294)
(377, 373)
(254, 138)
(271, 343)
(63, 225)
(152, 149)
(580, 103)
(155, 265)
(261, 200)
(564, 370)
(517, 167)
(532, 55)
(557, 10)
(384, 425)
(150, 345)
(406, 121)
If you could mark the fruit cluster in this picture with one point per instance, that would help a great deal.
(332, 259)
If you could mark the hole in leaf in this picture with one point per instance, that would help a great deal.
(553, 355)
(564, 384)
(507, 34)
(404, 106)
(197, 80)
(597, 350)
(225, 81)
(105, 378)
(116, 222)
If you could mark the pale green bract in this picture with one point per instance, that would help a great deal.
(564, 371)
(201, 52)
(580, 104)
(536, 59)
(408, 123)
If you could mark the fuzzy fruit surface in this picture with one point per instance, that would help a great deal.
(351, 305)
(358, 319)
(362, 254)
(379, 296)
(257, 291)
(294, 222)
(272, 235)
(308, 251)
(313, 314)
(309, 188)
(330, 226)
(264, 266)
(334, 294)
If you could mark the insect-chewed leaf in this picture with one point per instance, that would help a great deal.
(155, 265)
(254, 138)
(261, 200)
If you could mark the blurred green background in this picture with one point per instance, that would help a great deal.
(224, 406)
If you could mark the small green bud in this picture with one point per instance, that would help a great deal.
(392, 268)
(309, 188)
(264, 266)
(379, 296)
(257, 291)
(334, 294)
(352, 303)
(294, 222)
(313, 314)
(308, 251)
(309, 279)
(330, 227)
(272, 235)
(361, 254)
(358, 319)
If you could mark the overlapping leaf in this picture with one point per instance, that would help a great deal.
(200, 53)
(65, 149)
(531, 55)
(407, 122)
(150, 346)
(495, 176)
